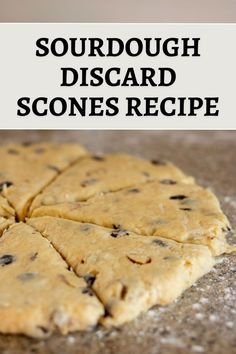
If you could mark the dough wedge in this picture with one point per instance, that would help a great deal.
(182, 212)
(27, 169)
(39, 295)
(128, 273)
(96, 175)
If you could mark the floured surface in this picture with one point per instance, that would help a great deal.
(38, 294)
(26, 169)
(179, 211)
(101, 174)
(128, 273)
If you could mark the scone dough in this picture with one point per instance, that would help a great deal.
(128, 273)
(183, 212)
(38, 293)
(26, 169)
(104, 238)
(102, 174)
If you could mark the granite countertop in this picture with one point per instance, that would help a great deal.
(203, 320)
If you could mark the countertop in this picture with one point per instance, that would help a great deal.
(203, 319)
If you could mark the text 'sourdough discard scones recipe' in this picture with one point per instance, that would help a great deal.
(97, 239)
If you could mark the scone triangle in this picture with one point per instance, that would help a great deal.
(38, 293)
(128, 273)
(27, 169)
(184, 212)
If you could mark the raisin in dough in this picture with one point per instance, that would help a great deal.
(182, 212)
(38, 294)
(129, 273)
(7, 215)
(26, 170)
(101, 174)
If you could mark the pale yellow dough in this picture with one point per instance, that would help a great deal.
(128, 273)
(104, 238)
(101, 174)
(26, 170)
(183, 212)
(38, 294)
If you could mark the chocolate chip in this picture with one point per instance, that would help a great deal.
(34, 256)
(54, 168)
(115, 233)
(168, 181)
(5, 184)
(87, 291)
(160, 243)
(26, 276)
(90, 279)
(107, 312)
(123, 292)
(186, 209)
(88, 182)
(225, 229)
(98, 158)
(12, 152)
(134, 190)
(7, 259)
(178, 197)
(116, 227)
(158, 162)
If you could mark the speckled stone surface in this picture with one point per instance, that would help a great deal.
(203, 320)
